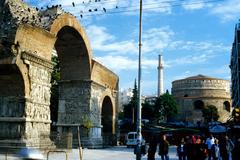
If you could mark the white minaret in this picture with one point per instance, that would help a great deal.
(160, 75)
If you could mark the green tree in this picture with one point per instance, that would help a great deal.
(121, 115)
(55, 77)
(130, 112)
(210, 113)
(165, 107)
(130, 109)
(148, 111)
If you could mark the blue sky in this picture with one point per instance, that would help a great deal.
(194, 37)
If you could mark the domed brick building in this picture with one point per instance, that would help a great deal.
(195, 93)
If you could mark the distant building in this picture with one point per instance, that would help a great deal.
(124, 97)
(150, 99)
(195, 93)
(235, 68)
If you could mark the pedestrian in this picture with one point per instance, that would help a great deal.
(215, 150)
(194, 139)
(199, 149)
(198, 140)
(209, 143)
(189, 148)
(152, 148)
(194, 147)
(236, 150)
(163, 148)
(140, 147)
(226, 147)
(181, 150)
(203, 151)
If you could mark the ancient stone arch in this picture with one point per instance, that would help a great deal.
(227, 106)
(198, 104)
(27, 41)
(108, 121)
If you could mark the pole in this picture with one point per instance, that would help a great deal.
(79, 145)
(139, 113)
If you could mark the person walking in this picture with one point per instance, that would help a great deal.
(181, 150)
(209, 143)
(215, 150)
(226, 147)
(236, 150)
(163, 148)
(152, 148)
(189, 148)
(201, 149)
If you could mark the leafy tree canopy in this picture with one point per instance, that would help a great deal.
(130, 109)
(210, 113)
(165, 107)
(148, 111)
(54, 89)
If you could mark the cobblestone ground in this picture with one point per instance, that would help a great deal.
(114, 153)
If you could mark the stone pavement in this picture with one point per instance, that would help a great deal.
(114, 153)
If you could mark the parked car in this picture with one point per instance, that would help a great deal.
(132, 139)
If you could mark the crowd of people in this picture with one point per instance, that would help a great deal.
(197, 148)
(163, 148)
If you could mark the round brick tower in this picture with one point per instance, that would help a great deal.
(195, 93)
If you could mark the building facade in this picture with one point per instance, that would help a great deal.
(124, 98)
(235, 68)
(195, 93)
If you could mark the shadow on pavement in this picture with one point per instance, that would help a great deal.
(119, 148)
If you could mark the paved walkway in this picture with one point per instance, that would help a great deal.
(114, 153)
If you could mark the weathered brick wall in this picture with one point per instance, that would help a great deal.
(27, 37)
(209, 90)
(102, 75)
(74, 101)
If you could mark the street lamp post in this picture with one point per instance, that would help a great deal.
(139, 113)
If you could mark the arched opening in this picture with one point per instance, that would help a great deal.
(72, 54)
(11, 101)
(107, 120)
(198, 104)
(72, 69)
(227, 106)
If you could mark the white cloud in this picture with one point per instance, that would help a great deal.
(200, 52)
(204, 46)
(182, 75)
(117, 63)
(103, 41)
(148, 6)
(228, 10)
(149, 63)
(190, 59)
(156, 39)
(193, 5)
(125, 7)
(157, 6)
(223, 70)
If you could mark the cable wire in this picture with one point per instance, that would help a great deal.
(131, 9)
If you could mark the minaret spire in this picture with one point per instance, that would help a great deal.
(160, 75)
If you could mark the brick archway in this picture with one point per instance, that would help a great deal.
(11, 101)
(29, 49)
